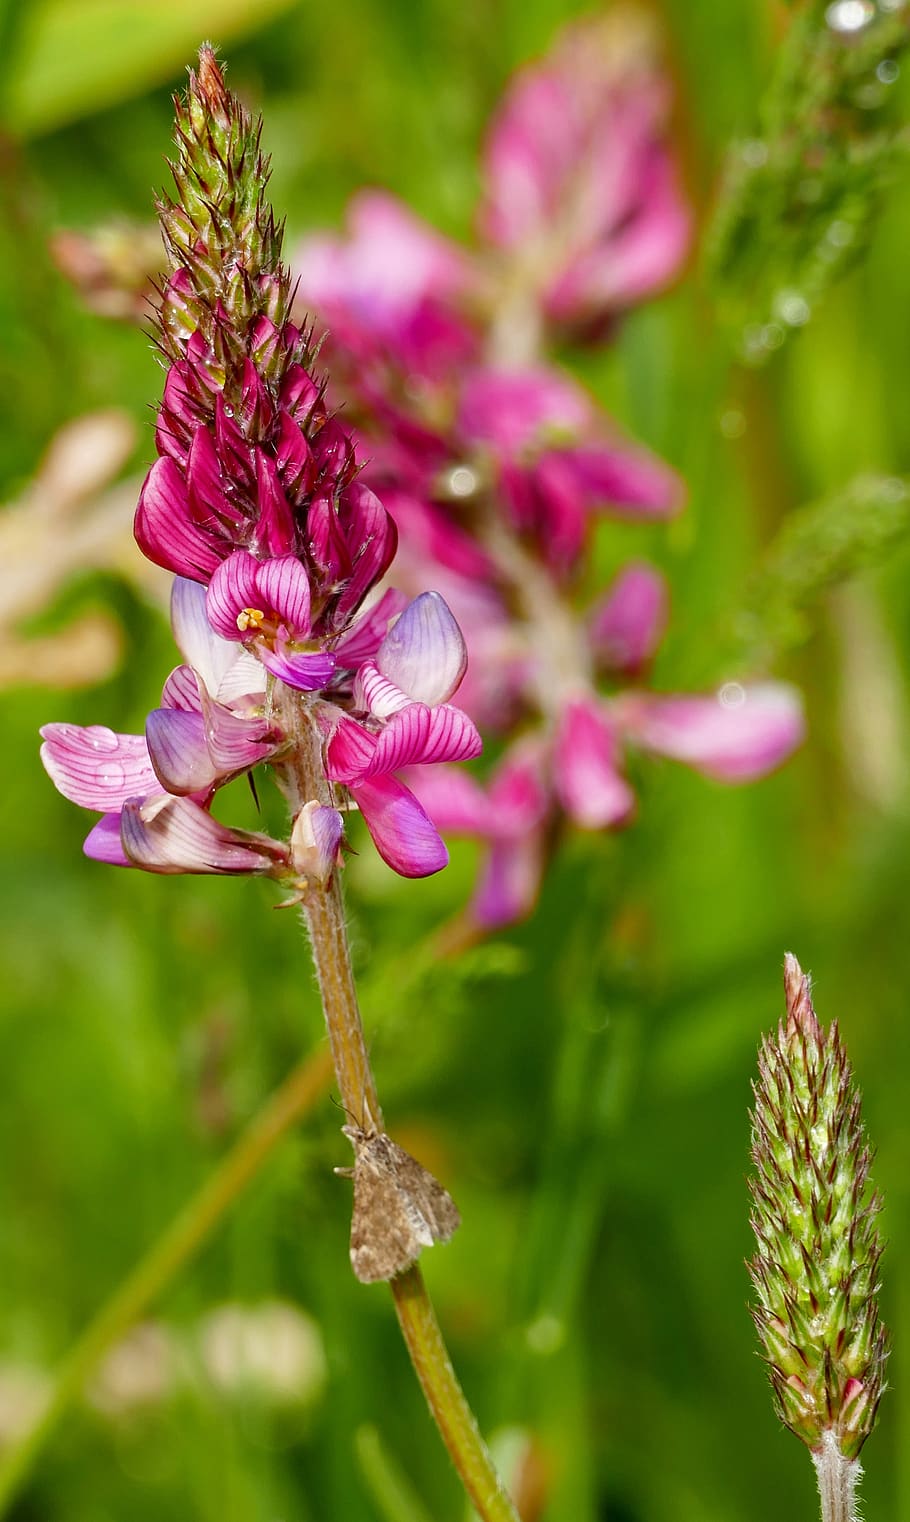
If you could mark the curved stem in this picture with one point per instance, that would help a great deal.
(446, 1399)
(177, 1245)
(304, 779)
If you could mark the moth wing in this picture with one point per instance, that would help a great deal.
(383, 1237)
(434, 1206)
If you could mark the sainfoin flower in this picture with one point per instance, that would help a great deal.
(278, 546)
(498, 465)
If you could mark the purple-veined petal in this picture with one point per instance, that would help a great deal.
(626, 628)
(315, 841)
(510, 881)
(284, 588)
(424, 652)
(237, 742)
(209, 505)
(365, 636)
(375, 694)
(103, 843)
(275, 532)
(417, 735)
(199, 645)
(95, 767)
(736, 735)
(349, 751)
(403, 833)
(164, 530)
(589, 785)
(242, 683)
(233, 588)
(305, 670)
(371, 538)
(170, 835)
(182, 690)
(178, 749)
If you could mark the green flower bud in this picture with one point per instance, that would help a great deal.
(815, 1271)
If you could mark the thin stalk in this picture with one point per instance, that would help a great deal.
(838, 1478)
(303, 780)
(446, 1399)
(169, 1254)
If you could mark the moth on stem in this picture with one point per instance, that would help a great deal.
(815, 1271)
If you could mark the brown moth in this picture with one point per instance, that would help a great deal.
(399, 1208)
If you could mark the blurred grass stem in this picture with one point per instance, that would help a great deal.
(304, 779)
(169, 1254)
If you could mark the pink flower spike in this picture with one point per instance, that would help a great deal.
(95, 767)
(171, 835)
(627, 627)
(588, 782)
(316, 842)
(164, 528)
(424, 652)
(735, 736)
(404, 835)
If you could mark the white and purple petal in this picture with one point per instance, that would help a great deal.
(199, 645)
(305, 670)
(178, 750)
(171, 835)
(316, 841)
(424, 652)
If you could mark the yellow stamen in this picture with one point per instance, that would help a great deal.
(250, 618)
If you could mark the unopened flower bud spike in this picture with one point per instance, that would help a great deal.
(815, 1271)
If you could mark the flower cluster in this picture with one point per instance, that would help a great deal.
(257, 505)
(494, 461)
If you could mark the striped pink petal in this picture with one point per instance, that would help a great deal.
(171, 835)
(95, 767)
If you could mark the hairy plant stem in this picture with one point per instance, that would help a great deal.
(838, 1478)
(323, 908)
(161, 1264)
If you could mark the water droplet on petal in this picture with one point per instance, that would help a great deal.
(462, 481)
(732, 695)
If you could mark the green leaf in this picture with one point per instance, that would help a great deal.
(72, 58)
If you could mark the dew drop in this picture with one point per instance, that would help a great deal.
(849, 15)
(887, 71)
(546, 1334)
(732, 695)
(462, 481)
(732, 423)
(792, 308)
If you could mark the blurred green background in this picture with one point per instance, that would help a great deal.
(582, 1082)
